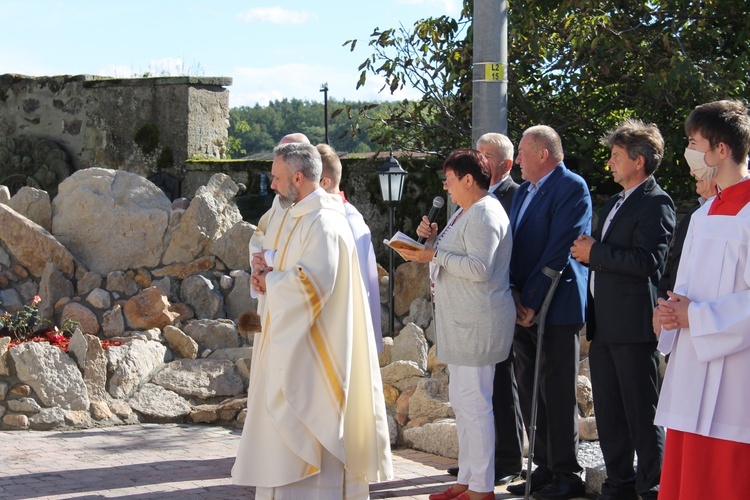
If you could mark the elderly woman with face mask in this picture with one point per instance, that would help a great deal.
(474, 312)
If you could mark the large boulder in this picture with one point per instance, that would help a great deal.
(201, 378)
(430, 401)
(159, 405)
(213, 334)
(211, 214)
(132, 364)
(410, 345)
(239, 299)
(111, 219)
(402, 374)
(34, 204)
(52, 287)
(439, 438)
(52, 374)
(232, 248)
(412, 281)
(85, 317)
(88, 352)
(5, 363)
(148, 309)
(32, 245)
(180, 343)
(420, 313)
(203, 296)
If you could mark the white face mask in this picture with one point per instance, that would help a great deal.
(698, 166)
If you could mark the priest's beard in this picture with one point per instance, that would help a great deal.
(290, 197)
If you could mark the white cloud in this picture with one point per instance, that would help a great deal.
(451, 7)
(275, 15)
(253, 85)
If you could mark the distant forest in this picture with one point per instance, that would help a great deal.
(257, 129)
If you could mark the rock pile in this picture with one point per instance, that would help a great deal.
(168, 281)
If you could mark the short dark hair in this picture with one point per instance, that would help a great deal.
(638, 139)
(722, 121)
(469, 161)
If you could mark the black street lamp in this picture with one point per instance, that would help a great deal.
(324, 89)
(391, 177)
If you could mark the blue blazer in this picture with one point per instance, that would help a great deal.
(559, 212)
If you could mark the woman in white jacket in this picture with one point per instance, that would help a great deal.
(474, 312)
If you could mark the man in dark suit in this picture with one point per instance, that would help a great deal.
(549, 211)
(508, 423)
(626, 257)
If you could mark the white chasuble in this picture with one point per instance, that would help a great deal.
(706, 389)
(315, 380)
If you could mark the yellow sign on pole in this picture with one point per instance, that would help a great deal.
(494, 71)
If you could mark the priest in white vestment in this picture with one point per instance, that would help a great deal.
(271, 222)
(316, 426)
(330, 181)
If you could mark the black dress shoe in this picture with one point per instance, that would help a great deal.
(505, 477)
(501, 477)
(520, 488)
(558, 490)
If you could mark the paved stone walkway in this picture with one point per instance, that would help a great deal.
(165, 461)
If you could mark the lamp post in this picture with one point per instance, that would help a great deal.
(391, 177)
(324, 89)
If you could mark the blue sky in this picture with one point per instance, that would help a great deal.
(272, 49)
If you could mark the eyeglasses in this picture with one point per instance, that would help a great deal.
(447, 182)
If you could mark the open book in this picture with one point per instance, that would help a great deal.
(400, 241)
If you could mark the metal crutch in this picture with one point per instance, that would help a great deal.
(540, 320)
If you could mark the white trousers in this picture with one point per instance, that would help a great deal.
(471, 398)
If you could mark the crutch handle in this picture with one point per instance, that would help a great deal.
(555, 277)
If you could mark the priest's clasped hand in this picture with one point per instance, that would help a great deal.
(260, 270)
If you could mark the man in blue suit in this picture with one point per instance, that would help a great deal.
(549, 211)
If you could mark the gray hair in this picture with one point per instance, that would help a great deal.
(301, 157)
(499, 142)
(545, 137)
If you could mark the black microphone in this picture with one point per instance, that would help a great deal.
(437, 204)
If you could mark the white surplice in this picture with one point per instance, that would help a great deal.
(315, 381)
(706, 390)
(369, 267)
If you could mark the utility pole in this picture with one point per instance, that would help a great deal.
(324, 89)
(489, 111)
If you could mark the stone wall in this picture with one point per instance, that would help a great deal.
(144, 125)
(169, 283)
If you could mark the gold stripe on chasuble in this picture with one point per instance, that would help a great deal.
(278, 231)
(282, 256)
(319, 344)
